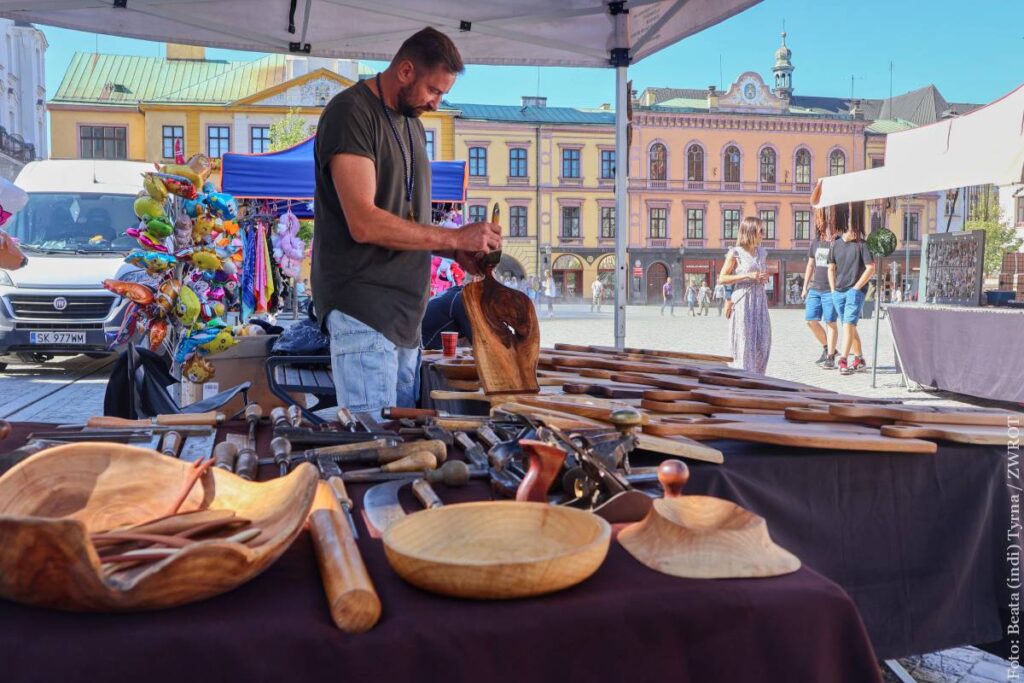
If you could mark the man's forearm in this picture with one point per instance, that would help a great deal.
(387, 230)
(832, 278)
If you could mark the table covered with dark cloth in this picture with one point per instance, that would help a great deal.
(967, 350)
(915, 540)
(626, 622)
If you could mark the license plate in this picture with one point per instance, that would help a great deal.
(56, 338)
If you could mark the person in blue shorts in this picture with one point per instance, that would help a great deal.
(850, 267)
(819, 311)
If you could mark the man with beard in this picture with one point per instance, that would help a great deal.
(373, 240)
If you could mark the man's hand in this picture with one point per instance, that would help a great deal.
(478, 237)
(468, 262)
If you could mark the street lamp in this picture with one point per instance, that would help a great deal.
(682, 264)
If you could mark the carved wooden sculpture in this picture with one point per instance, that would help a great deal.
(506, 336)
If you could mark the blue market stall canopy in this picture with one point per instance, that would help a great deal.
(288, 174)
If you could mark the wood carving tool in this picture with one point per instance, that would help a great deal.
(247, 462)
(351, 597)
(295, 415)
(473, 451)
(211, 419)
(281, 448)
(346, 419)
(452, 473)
(331, 473)
(337, 451)
(279, 417)
(416, 462)
(224, 455)
(171, 444)
(315, 437)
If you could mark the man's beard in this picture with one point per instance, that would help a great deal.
(405, 107)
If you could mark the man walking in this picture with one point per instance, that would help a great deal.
(667, 298)
(374, 238)
(720, 297)
(850, 267)
(704, 298)
(596, 289)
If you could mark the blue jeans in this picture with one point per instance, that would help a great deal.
(848, 304)
(820, 305)
(370, 372)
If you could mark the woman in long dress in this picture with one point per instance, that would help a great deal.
(750, 329)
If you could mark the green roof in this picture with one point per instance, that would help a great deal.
(516, 114)
(125, 79)
(887, 126)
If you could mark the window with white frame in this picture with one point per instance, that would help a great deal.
(730, 223)
(517, 226)
(801, 225)
(607, 222)
(218, 141)
(570, 222)
(695, 224)
(768, 223)
(657, 218)
(478, 162)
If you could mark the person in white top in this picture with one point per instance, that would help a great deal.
(720, 297)
(596, 289)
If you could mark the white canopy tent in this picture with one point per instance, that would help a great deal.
(983, 147)
(581, 33)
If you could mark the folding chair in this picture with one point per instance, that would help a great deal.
(306, 375)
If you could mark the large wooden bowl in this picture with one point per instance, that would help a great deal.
(496, 550)
(457, 368)
(52, 501)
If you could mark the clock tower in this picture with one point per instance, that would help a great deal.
(783, 70)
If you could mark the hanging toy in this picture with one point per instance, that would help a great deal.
(166, 296)
(146, 239)
(221, 342)
(210, 312)
(138, 293)
(147, 207)
(154, 187)
(203, 259)
(204, 224)
(183, 171)
(187, 308)
(193, 207)
(289, 250)
(157, 333)
(202, 166)
(222, 205)
(129, 325)
(178, 185)
(152, 261)
(159, 226)
(197, 370)
(182, 232)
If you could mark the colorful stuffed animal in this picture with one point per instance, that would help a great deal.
(152, 261)
(289, 250)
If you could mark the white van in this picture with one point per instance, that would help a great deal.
(72, 231)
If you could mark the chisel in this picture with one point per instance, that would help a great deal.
(211, 419)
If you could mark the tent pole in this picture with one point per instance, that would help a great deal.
(878, 317)
(621, 206)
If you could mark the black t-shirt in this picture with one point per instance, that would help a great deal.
(851, 259)
(446, 312)
(818, 251)
(383, 288)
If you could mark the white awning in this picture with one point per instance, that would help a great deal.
(983, 147)
(508, 32)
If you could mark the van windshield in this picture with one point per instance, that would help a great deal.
(77, 223)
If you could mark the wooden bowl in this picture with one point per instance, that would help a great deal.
(496, 550)
(457, 368)
(51, 502)
(700, 537)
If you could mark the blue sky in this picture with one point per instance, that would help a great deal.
(972, 52)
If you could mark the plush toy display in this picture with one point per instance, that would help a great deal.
(289, 250)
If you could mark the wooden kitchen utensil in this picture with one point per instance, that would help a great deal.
(975, 434)
(52, 502)
(929, 414)
(497, 550)
(792, 434)
(700, 537)
(506, 336)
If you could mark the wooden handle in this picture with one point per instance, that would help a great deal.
(224, 455)
(281, 448)
(247, 463)
(424, 493)
(5, 429)
(211, 419)
(453, 473)
(171, 445)
(417, 462)
(460, 425)
(279, 417)
(337, 485)
(673, 475)
(445, 395)
(253, 412)
(351, 597)
(396, 413)
(346, 419)
(346, 448)
(545, 463)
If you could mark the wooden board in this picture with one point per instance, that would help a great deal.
(673, 407)
(593, 408)
(667, 395)
(929, 414)
(754, 399)
(506, 336)
(822, 414)
(759, 382)
(797, 435)
(674, 382)
(604, 389)
(679, 355)
(973, 434)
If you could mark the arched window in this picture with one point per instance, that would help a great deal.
(836, 162)
(695, 164)
(768, 165)
(659, 162)
(802, 171)
(731, 164)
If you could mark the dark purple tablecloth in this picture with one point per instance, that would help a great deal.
(625, 623)
(972, 351)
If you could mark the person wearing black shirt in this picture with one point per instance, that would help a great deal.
(446, 312)
(819, 307)
(850, 267)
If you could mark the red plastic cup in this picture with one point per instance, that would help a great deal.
(449, 343)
